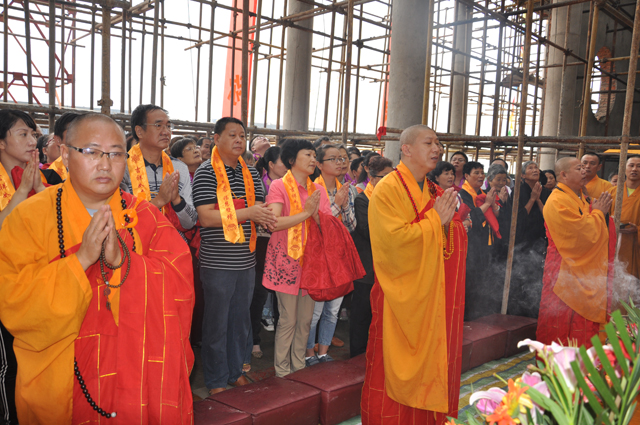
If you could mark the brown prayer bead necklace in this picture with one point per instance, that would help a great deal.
(433, 191)
(107, 291)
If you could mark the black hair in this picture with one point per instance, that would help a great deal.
(553, 173)
(497, 158)
(221, 124)
(441, 167)
(270, 155)
(9, 117)
(290, 148)
(379, 163)
(593, 154)
(257, 137)
(466, 158)
(320, 141)
(470, 166)
(363, 175)
(321, 152)
(352, 150)
(62, 123)
(139, 117)
(201, 140)
(355, 164)
(42, 142)
(178, 147)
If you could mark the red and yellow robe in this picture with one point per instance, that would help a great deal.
(629, 252)
(597, 186)
(136, 358)
(578, 269)
(414, 352)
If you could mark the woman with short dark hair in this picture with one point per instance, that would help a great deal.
(294, 199)
(187, 151)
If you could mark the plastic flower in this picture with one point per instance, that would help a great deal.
(487, 401)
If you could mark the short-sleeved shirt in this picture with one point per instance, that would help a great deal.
(215, 251)
(281, 272)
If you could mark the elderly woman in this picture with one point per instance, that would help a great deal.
(530, 245)
(187, 151)
(360, 304)
(497, 180)
(483, 293)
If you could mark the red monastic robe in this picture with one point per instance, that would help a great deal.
(378, 406)
(578, 271)
(136, 358)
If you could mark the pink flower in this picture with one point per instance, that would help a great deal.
(559, 355)
(534, 380)
(487, 400)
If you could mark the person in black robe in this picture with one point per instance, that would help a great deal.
(530, 245)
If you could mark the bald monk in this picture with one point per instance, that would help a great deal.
(629, 252)
(76, 287)
(577, 268)
(592, 164)
(419, 258)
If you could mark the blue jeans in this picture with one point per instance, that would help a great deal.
(227, 323)
(327, 314)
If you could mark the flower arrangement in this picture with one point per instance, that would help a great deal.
(570, 385)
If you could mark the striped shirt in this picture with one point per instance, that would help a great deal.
(215, 251)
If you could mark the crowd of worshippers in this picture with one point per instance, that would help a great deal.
(245, 215)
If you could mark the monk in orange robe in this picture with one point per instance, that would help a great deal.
(93, 277)
(578, 266)
(592, 164)
(419, 258)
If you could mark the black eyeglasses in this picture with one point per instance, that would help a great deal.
(96, 154)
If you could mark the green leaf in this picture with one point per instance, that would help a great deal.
(471, 420)
(608, 367)
(549, 405)
(621, 325)
(594, 403)
(598, 382)
(617, 350)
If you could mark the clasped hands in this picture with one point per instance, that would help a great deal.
(101, 228)
(31, 177)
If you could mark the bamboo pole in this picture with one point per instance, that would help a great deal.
(347, 77)
(123, 60)
(52, 60)
(628, 109)
(198, 61)
(586, 99)
(359, 45)
(142, 61)
(526, 58)
(254, 84)
(245, 62)
(27, 32)
(161, 79)
(210, 80)
(328, 89)
(281, 70)
(564, 69)
(106, 102)
(427, 68)
(154, 51)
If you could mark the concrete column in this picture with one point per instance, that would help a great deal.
(555, 103)
(408, 61)
(297, 83)
(460, 84)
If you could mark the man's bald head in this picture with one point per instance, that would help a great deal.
(87, 119)
(564, 164)
(410, 135)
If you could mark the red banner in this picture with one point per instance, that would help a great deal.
(233, 78)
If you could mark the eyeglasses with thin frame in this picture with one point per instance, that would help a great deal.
(96, 154)
(337, 160)
(191, 148)
(159, 126)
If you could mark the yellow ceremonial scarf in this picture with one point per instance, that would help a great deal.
(295, 243)
(232, 230)
(138, 173)
(320, 181)
(58, 167)
(6, 188)
(368, 190)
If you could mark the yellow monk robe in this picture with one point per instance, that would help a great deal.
(597, 186)
(411, 384)
(629, 244)
(136, 358)
(59, 167)
(575, 285)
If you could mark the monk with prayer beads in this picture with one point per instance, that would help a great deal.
(96, 286)
(578, 265)
(419, 248)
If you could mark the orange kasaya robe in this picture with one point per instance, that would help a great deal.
(135, 358)
(415, 340)
(578, 269)
(597, 186)
(629, 252)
